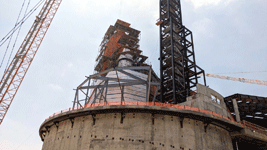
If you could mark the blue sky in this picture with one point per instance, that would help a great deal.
(229, 36)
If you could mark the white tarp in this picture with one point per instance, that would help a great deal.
(114, 94)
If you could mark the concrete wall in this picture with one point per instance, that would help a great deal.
(132, 131)
(208, 99)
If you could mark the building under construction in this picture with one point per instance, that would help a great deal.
(125, 105)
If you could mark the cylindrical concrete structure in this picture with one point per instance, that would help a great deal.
(130, 127)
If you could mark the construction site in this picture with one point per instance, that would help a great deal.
(127, 104)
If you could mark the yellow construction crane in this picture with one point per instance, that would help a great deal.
(20, 64)
(244, 80)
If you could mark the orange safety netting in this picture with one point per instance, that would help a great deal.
(144, 104)
(244, 124)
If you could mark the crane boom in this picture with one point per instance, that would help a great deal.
(20, 64)
(244, 80)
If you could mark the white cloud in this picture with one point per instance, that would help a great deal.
(92, 7)
(56, 87)
(203, 26)
(108, 7)
(22, 140)
(200, 3)
(70, 64)
(8, 145)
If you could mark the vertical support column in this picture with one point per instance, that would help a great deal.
(122, 94)
(87, 92)
(235, 144)
(148, 88)
(237, 115)
(161, 55)
(75, 97)
(95, 95)
(106, 92)
(173, 66)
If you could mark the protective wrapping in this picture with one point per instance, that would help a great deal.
(128, 93)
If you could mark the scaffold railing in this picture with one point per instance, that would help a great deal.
(253, 127)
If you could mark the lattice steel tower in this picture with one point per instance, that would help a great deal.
(178, 70)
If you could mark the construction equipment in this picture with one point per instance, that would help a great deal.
(244, 80)
(20, 64)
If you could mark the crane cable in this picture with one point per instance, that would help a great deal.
(16, 37)
(12, 34)
(5, 38)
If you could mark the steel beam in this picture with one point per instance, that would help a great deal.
(117, 85)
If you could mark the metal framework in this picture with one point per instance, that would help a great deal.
(178, 70)
(122, 73)
(19, 66)
(91, 93)
(251, 108)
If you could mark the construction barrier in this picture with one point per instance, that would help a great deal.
(244, 124)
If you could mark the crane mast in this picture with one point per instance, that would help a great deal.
(20, 64)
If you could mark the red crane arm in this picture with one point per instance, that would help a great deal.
(20, 64)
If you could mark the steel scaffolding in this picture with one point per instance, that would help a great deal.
(178, 70)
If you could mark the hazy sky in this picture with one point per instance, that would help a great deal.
(229, 36)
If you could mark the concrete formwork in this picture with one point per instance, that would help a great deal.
(136, 127)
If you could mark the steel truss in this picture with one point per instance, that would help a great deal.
(19, 66)
(251, 108)
(179, 73)
(88, 93)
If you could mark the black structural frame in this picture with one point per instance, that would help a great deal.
(178, 71)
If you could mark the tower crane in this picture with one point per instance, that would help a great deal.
(244, 80)
(20, 64)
